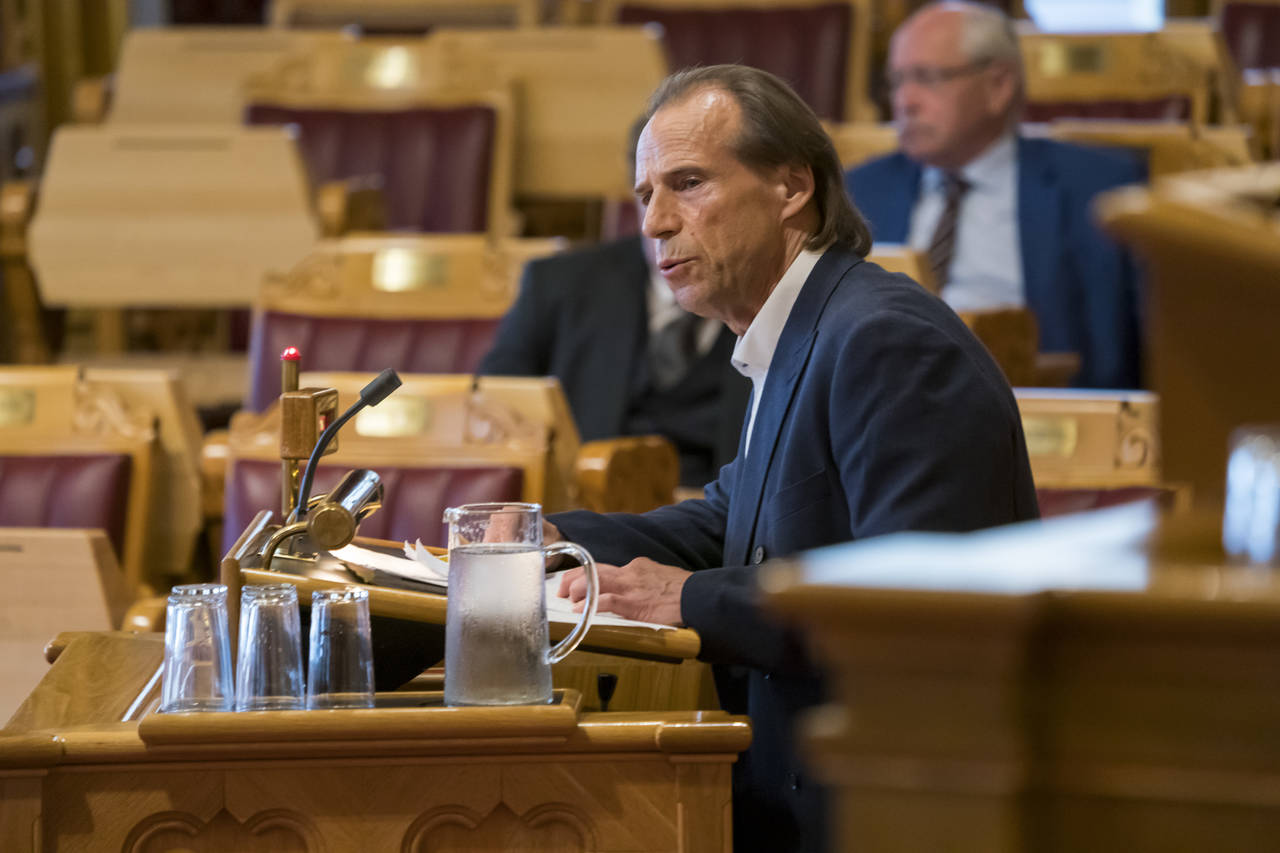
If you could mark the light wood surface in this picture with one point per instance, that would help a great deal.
(397, 276)
(196, 75)
(137, 216)
(1210, 243)
(55, 580)
(571, 139)
(1184, 59)
(1046, 687)
(413, 778)
(1091, 439)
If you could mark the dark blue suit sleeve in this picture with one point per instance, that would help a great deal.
(923, 435)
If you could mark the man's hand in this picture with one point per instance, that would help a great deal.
(642, 589)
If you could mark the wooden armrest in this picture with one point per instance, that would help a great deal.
(213, 472)
(21, 315)
(145, 614)
(1011, 336)
(355, 204)
(1055, 369)
(629, 474)
(90, 99)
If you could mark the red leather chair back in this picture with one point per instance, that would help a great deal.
(448, 345)
(1177, 108)
(1064, 501)
(806, 46)
(90, 491)
(248, 12)
(1252, 33)
(433, 162)
(413, 506)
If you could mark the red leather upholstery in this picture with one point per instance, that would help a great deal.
(1176, 108)
(1252, 33)
(356, 343)
(808, 47)
(413, 506)
(433, 163)
(251, 12)
(89, 491)
(1066, 501)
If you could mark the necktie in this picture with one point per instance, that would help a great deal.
(943, 244)
(673, 349)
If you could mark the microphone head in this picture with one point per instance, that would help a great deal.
(382, 385)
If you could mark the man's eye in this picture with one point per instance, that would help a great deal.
(689, 183)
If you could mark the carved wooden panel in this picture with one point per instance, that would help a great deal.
(266, 832)
(610, 802)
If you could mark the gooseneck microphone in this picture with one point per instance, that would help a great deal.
(370, 395)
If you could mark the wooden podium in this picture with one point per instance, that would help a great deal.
(407, 775)
(1098, 682)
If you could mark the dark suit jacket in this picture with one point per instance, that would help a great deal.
(1079, 284)
(881, 413)
(583, 318)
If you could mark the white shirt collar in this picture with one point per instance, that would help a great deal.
(988, 168)
(754, 350)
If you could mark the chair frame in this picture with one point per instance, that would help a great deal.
(67, 417)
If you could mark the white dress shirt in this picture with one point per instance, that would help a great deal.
(753, 352)
(986, 268)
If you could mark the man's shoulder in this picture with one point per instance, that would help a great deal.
(1093, 166)
(877, 171)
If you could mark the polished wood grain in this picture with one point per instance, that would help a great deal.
(391, 778)
(116, 225)
(1102, 682)
(1210, 349)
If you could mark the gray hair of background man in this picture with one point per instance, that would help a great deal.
(987, 34)
(778, 129)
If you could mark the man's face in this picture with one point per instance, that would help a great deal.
(948, 108)
(717, 225)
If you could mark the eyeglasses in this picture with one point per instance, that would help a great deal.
(931, 77)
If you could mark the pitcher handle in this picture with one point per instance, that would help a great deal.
(561, 649)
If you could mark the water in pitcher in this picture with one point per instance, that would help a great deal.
(496, 637)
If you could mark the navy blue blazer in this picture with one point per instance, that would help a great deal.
(881, 413)
(1080, 285)
(583, 318)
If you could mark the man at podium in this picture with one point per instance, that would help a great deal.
(873, 410)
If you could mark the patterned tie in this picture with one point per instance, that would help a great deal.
(674, 349)
(943, 244)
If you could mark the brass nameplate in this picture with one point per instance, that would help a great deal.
(1057, 59)
(1051, 436)
(17, 406)
(397, 416)
(398, 270)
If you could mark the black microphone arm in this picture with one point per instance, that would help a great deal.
(370, 395)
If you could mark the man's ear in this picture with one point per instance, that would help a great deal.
(795, 185)
(1002, 88)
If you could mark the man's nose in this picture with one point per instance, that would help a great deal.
(660, 220)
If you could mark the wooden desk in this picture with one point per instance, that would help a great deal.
(1100, 682)
(390, 778)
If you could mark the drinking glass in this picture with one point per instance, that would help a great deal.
(340, 662)
(197, 650)
(496, 638)
(269, 664)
